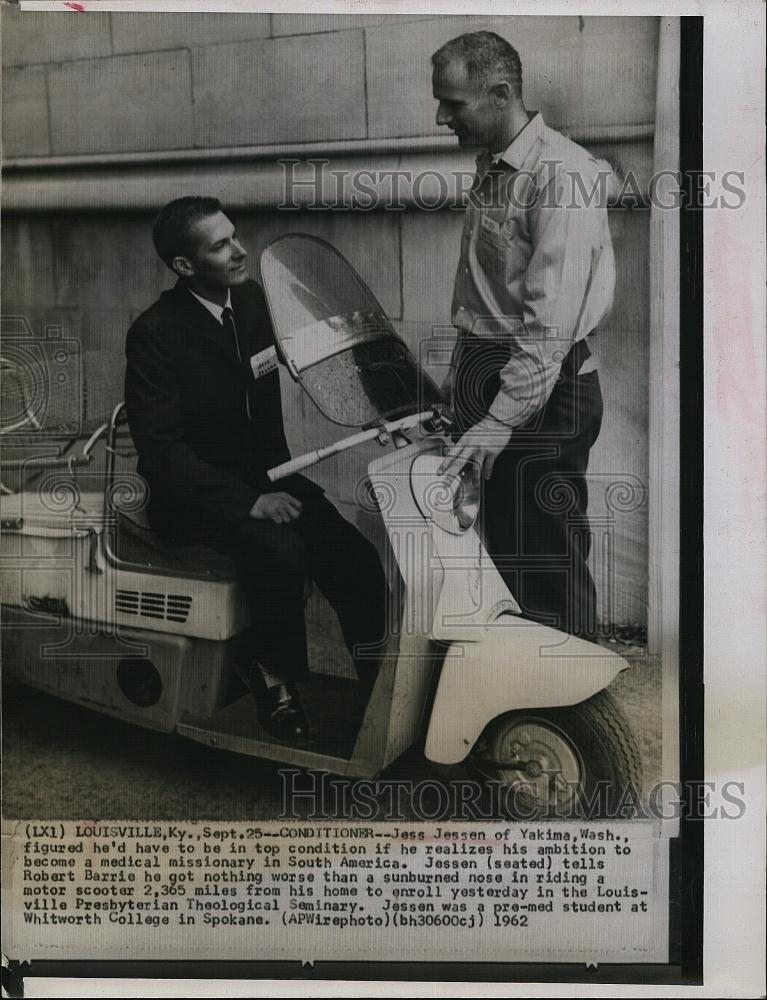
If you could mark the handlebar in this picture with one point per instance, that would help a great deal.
(327, 451)
(282, 471)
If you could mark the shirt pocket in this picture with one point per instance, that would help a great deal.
(503, 246)
(490, 241)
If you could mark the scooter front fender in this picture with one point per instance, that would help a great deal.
(516, 664)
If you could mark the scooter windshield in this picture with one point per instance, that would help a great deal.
(335, 337)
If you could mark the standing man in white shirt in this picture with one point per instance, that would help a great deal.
(536, 275)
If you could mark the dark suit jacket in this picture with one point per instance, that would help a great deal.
(204, 461)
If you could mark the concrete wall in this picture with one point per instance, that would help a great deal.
(84, 94)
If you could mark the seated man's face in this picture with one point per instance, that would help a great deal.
(218, 258)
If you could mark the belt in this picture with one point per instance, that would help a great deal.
(578, 360)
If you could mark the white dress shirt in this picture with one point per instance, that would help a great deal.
(216, 311)
(536, 268)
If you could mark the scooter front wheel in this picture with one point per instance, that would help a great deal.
(578, 762)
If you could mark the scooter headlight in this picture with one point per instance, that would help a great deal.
(450, 502)
(466, 496)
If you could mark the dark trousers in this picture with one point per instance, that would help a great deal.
(534, 508)
(273, 561)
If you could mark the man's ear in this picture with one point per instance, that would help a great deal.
(182, 266)
(502, 93)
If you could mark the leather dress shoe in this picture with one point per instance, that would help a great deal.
(280, 712)
(278, 707)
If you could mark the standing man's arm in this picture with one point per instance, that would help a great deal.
(567, 235)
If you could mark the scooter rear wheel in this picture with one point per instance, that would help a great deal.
(580, 761)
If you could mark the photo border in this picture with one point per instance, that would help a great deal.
(688, 851)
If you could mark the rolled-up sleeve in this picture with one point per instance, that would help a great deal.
(567, 235)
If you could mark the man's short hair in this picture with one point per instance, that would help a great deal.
(486, 57)
(172, 228)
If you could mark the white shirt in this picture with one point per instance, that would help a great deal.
(216, 311)
(536, 268)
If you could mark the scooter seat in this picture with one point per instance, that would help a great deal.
(138, 543)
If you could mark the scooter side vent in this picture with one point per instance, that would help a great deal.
(168, 607)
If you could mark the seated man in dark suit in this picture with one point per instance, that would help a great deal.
(207, 430)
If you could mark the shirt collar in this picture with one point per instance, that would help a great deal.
(214, 308)
(518, 150)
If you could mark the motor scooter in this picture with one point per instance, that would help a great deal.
(97, 611)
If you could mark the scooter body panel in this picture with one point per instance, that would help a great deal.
(395, 714)
(54, 555)
(517, 665)
(139, 677)
(495, 661)
(451, 584)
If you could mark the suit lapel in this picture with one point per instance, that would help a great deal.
(198, 320)
(252, 317)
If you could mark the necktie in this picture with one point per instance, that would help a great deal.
(227, 319)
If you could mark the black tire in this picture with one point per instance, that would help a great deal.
(577, 762)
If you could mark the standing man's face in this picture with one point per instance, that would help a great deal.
(471, 113)
(218, 260)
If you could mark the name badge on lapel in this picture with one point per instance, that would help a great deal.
(489, 231)
(264, 362)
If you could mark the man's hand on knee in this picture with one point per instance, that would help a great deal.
(281, 508)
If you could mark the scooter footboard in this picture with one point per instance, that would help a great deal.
(516, 664)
